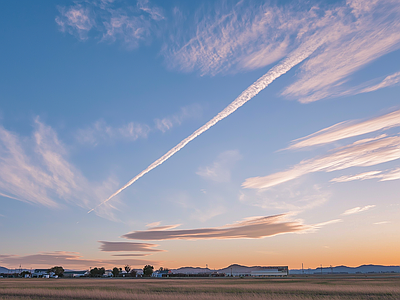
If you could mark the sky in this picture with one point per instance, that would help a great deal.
(193, 133)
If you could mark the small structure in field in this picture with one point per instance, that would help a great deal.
(271, 271)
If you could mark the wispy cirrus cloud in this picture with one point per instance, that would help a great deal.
(236, 36)
(363, 33)
(241, 36)
(100, 132)
(36, 170)
(362, 153)
(110, 21)
(381, 223)
(164, 227)
(220, 170)
(381, 175)
(291, 196)
(388, 81)
(155, 12)
(357, 210)
(128, 247)
(361, 176)
(250, 228)
(76, 20)
(391, 175)
(70, 260)
(348, 129)
(185, 113)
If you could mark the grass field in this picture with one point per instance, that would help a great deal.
(292, 288)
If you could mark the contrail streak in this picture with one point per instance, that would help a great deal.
(280, 69)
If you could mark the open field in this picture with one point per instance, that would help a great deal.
(292, 288)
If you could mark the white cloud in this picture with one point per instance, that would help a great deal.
(357, 210)
(230, 38)
(367, 152)
(205, 214)
(382, 175)
(76, 20)
(220, 170)
(354, 44)
(391, 175)
(348, 129)
(154, 224)
(101, 132)
(291, 196)
(156, 13)
(381, 223)
(109, 21)
(36, 170)
(362, 176)
(185, 113)
(388, 81)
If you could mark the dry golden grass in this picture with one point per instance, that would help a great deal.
(291, 288)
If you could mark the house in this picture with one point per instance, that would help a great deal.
(38, 273)
(163, 273)
(43, 273)
(74, 274)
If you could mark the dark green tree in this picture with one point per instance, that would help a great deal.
(97, 272)
(115, 272)
(57, 270)
(147, 270)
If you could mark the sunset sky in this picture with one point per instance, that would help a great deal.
(118, 143)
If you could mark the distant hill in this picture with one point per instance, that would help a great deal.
(235, 268)
(3, 270)
(350, 270)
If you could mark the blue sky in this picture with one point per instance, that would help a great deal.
(305, 170)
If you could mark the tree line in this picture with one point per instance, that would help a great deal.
(99, 272)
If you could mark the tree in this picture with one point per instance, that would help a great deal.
(127, 268)
(115, 272)
(59, 271)
(147, 270)
(97, 272)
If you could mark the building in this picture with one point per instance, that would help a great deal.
(159, 274)
(39, 273)
(271, 271)
(43, 273)
(74, 274)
